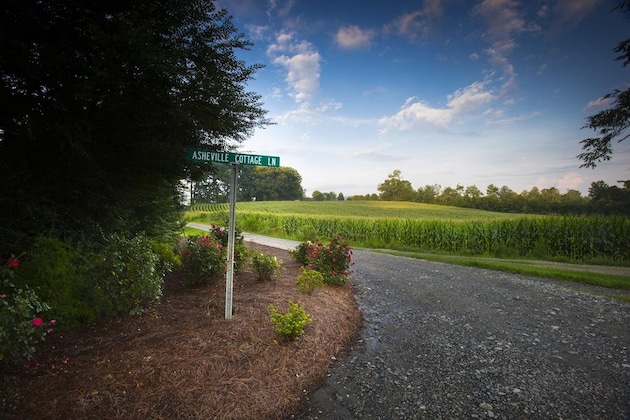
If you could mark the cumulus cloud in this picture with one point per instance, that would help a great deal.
(415, 112)
(567, 181)
(302, 63)
(570, 181)
(353, 37)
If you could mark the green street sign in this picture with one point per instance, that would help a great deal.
(197, 155)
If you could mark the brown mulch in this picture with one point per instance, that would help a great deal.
(185, 360)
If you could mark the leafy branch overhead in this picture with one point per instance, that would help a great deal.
(612, 123)
(99, 102)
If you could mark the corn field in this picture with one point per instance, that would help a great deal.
(572, 237)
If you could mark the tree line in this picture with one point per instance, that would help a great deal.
(602, 198)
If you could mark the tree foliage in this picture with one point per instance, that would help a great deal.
(602, 198)
(612, 123)
(327, 196)
(394, 188)
(260, 183)
(99, 102)
(264, 183)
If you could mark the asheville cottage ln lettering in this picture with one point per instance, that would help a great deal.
(237, 158)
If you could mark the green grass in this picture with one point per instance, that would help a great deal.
(576, 273)
(359, 209)
(188, 231)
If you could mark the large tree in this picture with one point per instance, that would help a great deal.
(99, 101)
(612, 123)
(394, 188)
(264, 183)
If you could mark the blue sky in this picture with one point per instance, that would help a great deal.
(446, 91)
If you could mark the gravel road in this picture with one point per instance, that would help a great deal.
(443, 342)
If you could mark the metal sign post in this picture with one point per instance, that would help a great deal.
(229, 275)
(234, 159)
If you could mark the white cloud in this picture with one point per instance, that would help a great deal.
(497, 117)
(570, 181)
(353, 37)
(257, 31)
(419, 23)
(280, 7)
(469, 99)
(503, 22)
(414, 112)
(301, 60)
(564, 182)
(330, 105)
(502, 18)
(598, 104)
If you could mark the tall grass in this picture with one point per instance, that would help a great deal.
(594, 238)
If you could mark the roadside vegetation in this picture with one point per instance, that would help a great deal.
(433, 228)
(583, 248)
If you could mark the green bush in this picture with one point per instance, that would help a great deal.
(56, 272)
(332, 261)
(301, 253)
(291, 324)
(125, 271)
(203, 260)
(167, 257)
(309, 280)
(22, 326)
(267, 267)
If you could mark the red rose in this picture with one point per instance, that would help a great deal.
(37, 322)
(13, 262)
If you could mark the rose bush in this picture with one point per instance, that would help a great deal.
(22, 326)
(333, 260)
(241, 254)
(203, 260)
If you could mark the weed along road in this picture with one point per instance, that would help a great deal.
(443, 341)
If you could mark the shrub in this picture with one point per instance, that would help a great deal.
(167, 257)
(309, 280)
(291, 324)
(126, 273)
(301, 253)
(57, 274)
(21, 324)
(203, 260)
(332, 261)
(267, 267)
(241, 254)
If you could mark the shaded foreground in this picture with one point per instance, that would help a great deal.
(184, 360)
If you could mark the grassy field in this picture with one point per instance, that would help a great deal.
(433, 228)
(345, 209)
(506, 242)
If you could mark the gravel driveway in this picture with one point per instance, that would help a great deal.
(443, 341)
